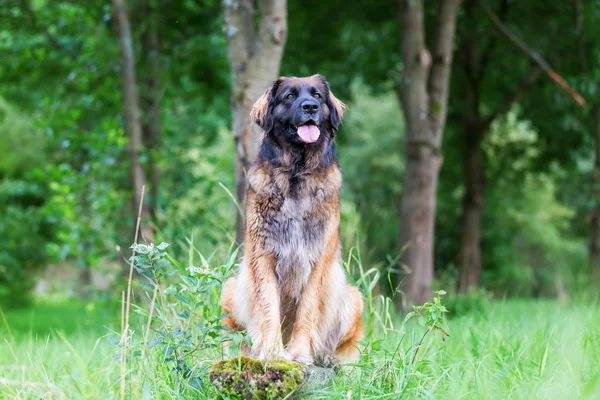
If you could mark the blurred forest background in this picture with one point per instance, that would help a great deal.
(502, 97)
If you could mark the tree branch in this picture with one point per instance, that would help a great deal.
(513, 97)
(535, 56)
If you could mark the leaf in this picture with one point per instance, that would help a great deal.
(170, 290)
(218, 328)
(140, 248)
(184, 299)
(176, 332)
(154, 342)
(167, 351)
(180, 365)
(443, 332)
(191, 280)
(184, 314)
(148, 286)
(409, 316)
(113, 340)
(145, 273)
(196, 382)
(162, 246)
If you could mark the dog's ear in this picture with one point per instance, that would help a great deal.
(262, 110)
(336, 110)
(335, 105)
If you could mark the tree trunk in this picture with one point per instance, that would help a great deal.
(424, 96)
(137, 178)
(594, 251)
(417, 217)
(152, 120)
(85, 269)
(255, 58)
(470, 241)
(475, 127)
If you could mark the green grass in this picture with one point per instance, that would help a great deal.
(508, 349)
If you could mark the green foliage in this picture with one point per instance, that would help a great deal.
(371, 160)
(431, 316)
(532, 249)
(26, 225)
(202, 196)
(182, 326)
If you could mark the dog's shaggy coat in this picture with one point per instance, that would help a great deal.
(291, 292)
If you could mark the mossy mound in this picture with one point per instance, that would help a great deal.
(246, 378)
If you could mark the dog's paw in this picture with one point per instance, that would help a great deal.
(302, 358)
(274, 355)
(284, 355)
(328, 361)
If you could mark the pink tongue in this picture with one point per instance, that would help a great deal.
(308, 133)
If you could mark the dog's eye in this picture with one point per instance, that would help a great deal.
(317, 96)
(289, 96)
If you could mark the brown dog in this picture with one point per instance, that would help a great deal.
(291, 292)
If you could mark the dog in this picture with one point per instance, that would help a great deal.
(291, 293)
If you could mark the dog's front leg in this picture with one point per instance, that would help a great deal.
(265, 326)
(311, 305)
(300, 342)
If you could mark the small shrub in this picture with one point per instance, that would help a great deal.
(181, 322)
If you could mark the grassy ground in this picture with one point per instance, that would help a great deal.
(509, 349)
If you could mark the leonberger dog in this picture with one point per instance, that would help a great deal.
(291, 293)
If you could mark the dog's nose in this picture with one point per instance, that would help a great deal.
(310, 106)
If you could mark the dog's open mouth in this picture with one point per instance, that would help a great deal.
(308, 131)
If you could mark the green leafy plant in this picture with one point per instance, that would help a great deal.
(183, 328)
(431, 316)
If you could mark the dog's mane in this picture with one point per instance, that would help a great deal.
(299, 159)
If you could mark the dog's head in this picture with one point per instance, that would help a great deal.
(299, 111)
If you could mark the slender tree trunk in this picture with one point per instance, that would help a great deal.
(594, 250)
(470, 241)
(152, 119)
(137, 178)
(474, 62)
(85, 269)
(424, 96)
(255, 58)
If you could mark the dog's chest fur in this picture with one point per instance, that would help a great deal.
(294, 213)
(293, 232)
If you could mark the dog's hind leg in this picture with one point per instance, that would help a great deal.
(227, 303)
(231, 322)
(347, 348)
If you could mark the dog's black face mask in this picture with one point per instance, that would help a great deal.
(299, 111)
